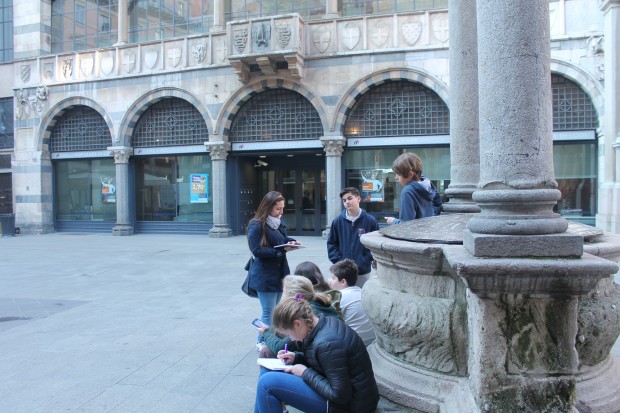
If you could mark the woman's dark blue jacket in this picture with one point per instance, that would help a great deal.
(270, 264)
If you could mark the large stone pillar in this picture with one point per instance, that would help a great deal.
(123, 22)
(517, 189)
(219, 153)
(331, 9)
(608, 216)
(32, 28)
(464, 143)
(334, 145)
(121, 159)
(219, 24)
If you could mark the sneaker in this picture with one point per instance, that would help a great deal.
(259, 346)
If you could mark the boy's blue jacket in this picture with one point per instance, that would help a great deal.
(419, 199)
(344, 240)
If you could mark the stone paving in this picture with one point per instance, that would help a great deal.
(147, 323)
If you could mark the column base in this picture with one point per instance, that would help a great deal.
(122, 230)
(420, 389)
(220, 232)
(325, 233)
(512, 246)
(599, 389)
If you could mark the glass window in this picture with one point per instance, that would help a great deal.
(398, 109)
(370, 171)
(174, 188)
(245, 9)
(276, 114)
(162, 19)
(575, 173)
(80, 129)
(6, 30)
(360, 7)
(6, 123)
(171, 121)
(85, 190)
(572, 107)
(82, 24)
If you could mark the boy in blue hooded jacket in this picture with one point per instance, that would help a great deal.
(346, 230)
(419, 197)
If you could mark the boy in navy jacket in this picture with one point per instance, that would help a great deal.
(346, 230)
(419, 197)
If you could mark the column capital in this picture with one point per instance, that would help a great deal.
(334, 145)
(121, 153)
(605, 5)
(218, 150)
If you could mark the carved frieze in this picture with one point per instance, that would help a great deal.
(351, 35)
(87, 64)
(25, 73)
(30, 103)
(219, 50)
(48, 70)
(174, 56)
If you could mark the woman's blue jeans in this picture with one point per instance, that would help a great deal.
(268, 301)
(276, 387)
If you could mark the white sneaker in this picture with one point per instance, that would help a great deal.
(259, 346)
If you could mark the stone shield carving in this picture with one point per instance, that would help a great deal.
(150, 58)
(48, 70)
(107, 63)
(351, 35)
(174, 56)
(380, 33)
(283, 36)
(129, 61)
(67, 68)
(411, 32)
(261, 34)
(25, 73)
(86, 65)
(219, 50)
(321, 36)
(199, 52)
(240, 37)
(440, 28)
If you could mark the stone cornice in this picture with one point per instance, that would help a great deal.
(605, 5)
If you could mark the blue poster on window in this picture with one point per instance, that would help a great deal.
(199, 191)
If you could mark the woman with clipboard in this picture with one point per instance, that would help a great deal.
(265, 232)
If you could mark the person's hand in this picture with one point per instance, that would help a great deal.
(296, 370)
(286, 357)
(287, 249)
(261, 330)
(390, 220)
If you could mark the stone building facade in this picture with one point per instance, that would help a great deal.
(172, 131)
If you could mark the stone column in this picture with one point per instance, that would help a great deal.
(219, 24)
(219, 153)
(32, 186)
(32, 28)
(517, 189)
(121, 159)
(334, 145)
(464, 143)
(608, 216)
(331, 9)
(123, 22)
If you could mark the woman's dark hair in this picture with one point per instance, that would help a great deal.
(263, 211)
(312, 272)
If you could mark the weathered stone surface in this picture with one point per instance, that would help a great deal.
(598, 321)
(415, 329)
(547, 245)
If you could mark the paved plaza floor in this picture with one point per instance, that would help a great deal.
(147, 323)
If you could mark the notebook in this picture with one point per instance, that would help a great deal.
(272, 364)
